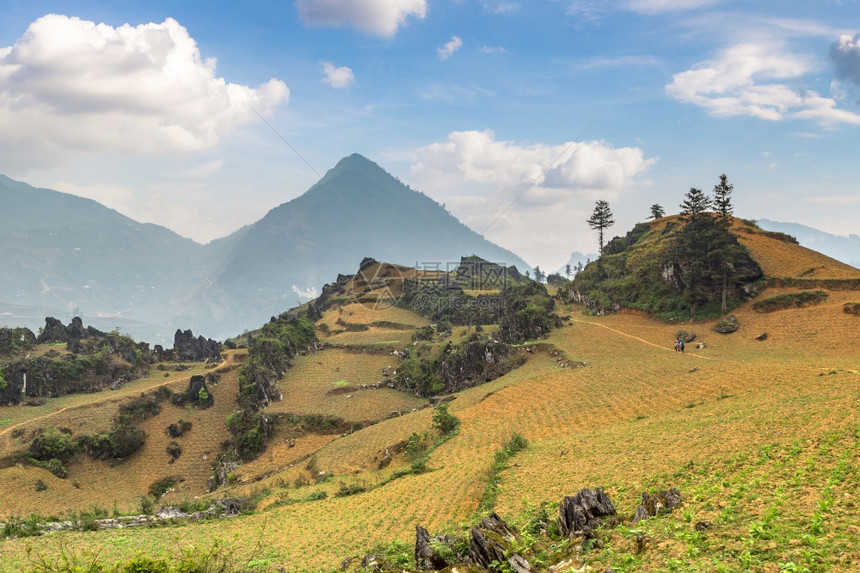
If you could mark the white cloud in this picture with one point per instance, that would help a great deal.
(579, 167)
(376, 17)
(500, 6)
(337, 77)
(753, 79)
(600, 62)
(309, 293)
(493, 50)
(447, 50)
(845, 53)
(508, 189)
(69, 86)
(657, 6)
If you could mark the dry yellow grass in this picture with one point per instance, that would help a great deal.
(316, 385)
(781, 259)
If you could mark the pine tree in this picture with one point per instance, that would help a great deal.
(723, 199)
(600, 220)
(567, 271)
(657, 211)
(695, 203)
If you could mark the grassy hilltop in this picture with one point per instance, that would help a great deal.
(760, 434)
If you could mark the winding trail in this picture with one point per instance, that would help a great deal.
(642, 340)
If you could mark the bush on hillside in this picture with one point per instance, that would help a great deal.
(52, 444)
(851, 308)
(444, 421)
(790, 300)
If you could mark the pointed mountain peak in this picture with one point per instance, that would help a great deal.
(355, 162)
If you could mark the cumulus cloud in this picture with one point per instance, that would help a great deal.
(375, 17)
(70, 86)
(447, 50)
(752, 79)
(845, 53)
(508, 189)
(337, 77)
(586, 168)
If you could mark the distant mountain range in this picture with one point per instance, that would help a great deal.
(841, 248)
(68, 256)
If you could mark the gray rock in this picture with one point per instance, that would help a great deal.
(581, 514)
(426, 556)
(492, 541)
(662, 502)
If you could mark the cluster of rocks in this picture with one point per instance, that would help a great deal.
(662, 502)
(492, 544)
(186, 347)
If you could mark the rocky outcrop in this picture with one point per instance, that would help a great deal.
(476, 273)
(581, 514)
(197, 394)
(479, 360)
(492, 542)
(427, 554)
(16, 339)
(188, 348)
(662, 502)
(54, 331)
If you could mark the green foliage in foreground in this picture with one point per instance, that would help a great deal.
(516, 444)
(216, 558)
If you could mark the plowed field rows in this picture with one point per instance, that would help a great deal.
(718, 422)
(329, 383)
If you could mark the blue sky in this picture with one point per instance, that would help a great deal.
(544, 107)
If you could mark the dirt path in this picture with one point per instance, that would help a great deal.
(642, 340)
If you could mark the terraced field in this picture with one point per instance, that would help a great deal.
(760, 434)
(718, 422)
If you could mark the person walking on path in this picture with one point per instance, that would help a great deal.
(677, 344)
(682, 345)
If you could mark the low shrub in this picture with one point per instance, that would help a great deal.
(347, 489)
(444, 421)
(159, 487)
(790, 300)
(52, 444)
(851, 308)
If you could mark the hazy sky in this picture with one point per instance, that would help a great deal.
(154, 108)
